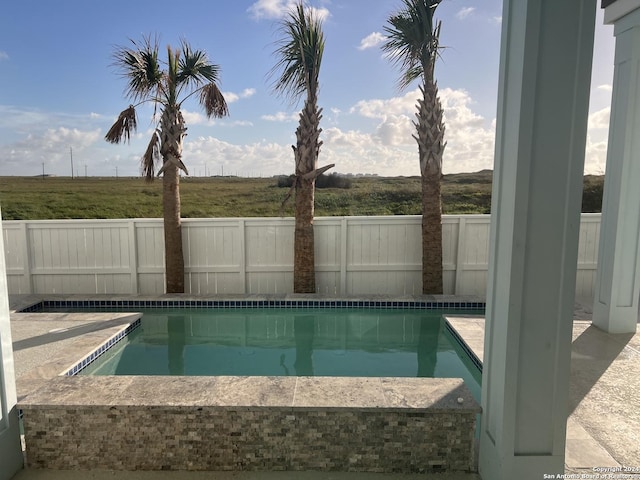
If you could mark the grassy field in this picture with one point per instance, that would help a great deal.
(37, 198)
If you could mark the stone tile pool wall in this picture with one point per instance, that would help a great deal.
(399, 425)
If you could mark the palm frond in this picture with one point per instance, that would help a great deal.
(213, 101)
(140, 66)
(299, 54)
(150, 157)
(163, 84)
(194, 68)
(123, 126)
(413, 40)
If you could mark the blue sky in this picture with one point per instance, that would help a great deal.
(58, 90)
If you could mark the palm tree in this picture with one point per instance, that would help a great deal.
(167, 86)
(413, 44)
(299, 55)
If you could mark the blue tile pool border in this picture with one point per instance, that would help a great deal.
(470, 353)
(102, 349)
(43, 305)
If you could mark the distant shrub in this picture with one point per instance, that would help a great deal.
(285, 182)
(592, 194)
(334, 180)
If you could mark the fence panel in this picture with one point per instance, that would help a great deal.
(450, 253)
(354, 255)
(588, 255)
(269, 255)
(213, 255)
(17, 257)
(383, 255)
(149, 266)
(329, 255)
(473, 255)
(79, 256)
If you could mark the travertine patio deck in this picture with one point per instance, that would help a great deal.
(603, 429)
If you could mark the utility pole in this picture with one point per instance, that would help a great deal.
(116, 171)
(85, 170)
(43, 170)
(71, 155)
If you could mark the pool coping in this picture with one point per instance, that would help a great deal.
(433, 395)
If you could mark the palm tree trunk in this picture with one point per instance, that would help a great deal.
(431, 236)
(173, 257)
(430, 138)
(306, 157)
(304, 276)
(173, 131)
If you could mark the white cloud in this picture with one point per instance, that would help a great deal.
(25, 121)
(235, 123)
(248, 92)
(380, 108)
(378, 140)
(321, 13)
(497, 19)
(606, 87)
(469, 136)
(14, 117)
(194, 118)
(232, 97)
(51, 147)
(351, 138)
(275, 9)
(372, 40)
(595, 156)
(465, 12)
(354, 151)
(599, 119)
(267, 9)
(4, 55)
(73, 137)
(351, 151)
(282, 117)
(396, 130)
(197, 118)
(261, 158)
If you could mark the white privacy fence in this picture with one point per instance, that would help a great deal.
(354, 255)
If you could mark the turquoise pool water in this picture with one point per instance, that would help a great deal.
(273, 341)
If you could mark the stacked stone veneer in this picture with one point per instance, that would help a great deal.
(251, 423)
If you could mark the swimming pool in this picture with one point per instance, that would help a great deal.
(342, 339)
(288, 421)
(286, 342)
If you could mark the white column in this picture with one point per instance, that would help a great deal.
(10, 448)
(615, 305)
(545, 70)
